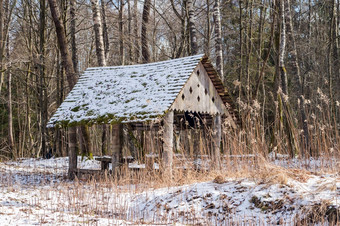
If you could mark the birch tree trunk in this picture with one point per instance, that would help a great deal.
(295, 61)
(144, 39)
(284, 110)
(218, 38)
(105, 30)
(70, 75)
(73, 35)
(282, 69)
(98, 33)
(4, 28)
(100, 56)
(192, 28)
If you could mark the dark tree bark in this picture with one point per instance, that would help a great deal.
(208, 32)
(10, 115)
(84, 135)
(1, 45)
(121, 32)
(135, 32)
(73, 35)
(70, 74)
(144, 38)
(42, 87)
(182, 18)
(129, 32)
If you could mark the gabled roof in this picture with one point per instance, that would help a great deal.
(128, 93)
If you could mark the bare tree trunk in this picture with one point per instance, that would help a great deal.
(42, 88)
(105, 30)
(192, 28)
(144, 38)
(295, 61)
(100, 56)
(182, 17)
(135, 31)
(84, 135)
(207, 44)
(285, 113)
(4, 28)
(249, 47)
(10, 115)
(2, 75)
(70, 74)
(283, 73)
(335, 55)
(218, 38)
(240, 69)
(73, 35)
(129, 32)
(98, 33)
(121, 32)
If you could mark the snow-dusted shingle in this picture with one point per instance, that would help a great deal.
(138, 93)
(125, 93)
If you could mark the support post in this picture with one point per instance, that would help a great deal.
(168, 136)
(216, 140)
(72, 153)
(117, 146)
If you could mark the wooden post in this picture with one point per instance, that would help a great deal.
(72, 153)
(117, 145)
(216, 140)
(168, 142)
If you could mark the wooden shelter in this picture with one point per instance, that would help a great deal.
(142, 93)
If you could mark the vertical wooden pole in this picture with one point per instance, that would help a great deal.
(72, 153)
(168, 142)
(216, 140)
(117, 146)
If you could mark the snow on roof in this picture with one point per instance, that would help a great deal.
(124, 93)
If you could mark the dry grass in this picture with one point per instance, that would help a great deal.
(246, 153)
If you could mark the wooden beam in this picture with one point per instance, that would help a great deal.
(168, 142)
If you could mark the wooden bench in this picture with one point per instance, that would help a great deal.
(150, 159)
(106, 160)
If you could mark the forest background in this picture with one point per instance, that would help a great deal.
(279, 60)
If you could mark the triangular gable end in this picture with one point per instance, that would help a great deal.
(199, 95)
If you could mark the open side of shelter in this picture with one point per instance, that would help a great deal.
(158, 92)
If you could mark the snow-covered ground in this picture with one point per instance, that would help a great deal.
(36, 192)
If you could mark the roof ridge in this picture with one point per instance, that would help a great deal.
(199, 56)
